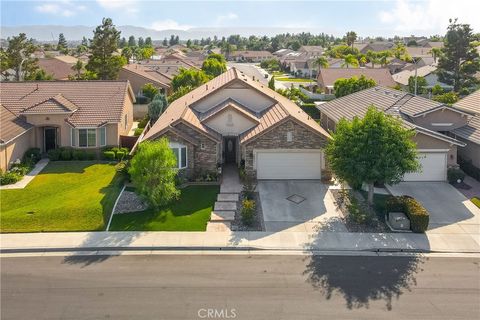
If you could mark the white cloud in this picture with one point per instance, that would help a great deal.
(63, 8)
(130, 6)
(429, 17)
(169, 24)
(225, 18)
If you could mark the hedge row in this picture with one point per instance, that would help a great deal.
(418, 215)
(311, 110)
(469, 168)
(67, 154)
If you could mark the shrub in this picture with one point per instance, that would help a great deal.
(9, 177)
(311, 110)
(66, 154)
(248, 211)
(54, 154)
(79, 155)
(91, 155)
(455, 174)
(143, 123)
(418, 215)
(109, 155)
(138, 132)
(32, 154)
(120, 155)
(248, 189)
(356, 212)
(20, 168)
(468, 167)
(476, 201)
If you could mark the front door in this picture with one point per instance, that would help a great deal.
(230, 146)
(50, 135)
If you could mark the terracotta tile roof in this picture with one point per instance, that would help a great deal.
(152, 75)
(11, 126)
(58, 68)
(251, 54)
(97, 102)
(327, 77)
(403, 76)
(56, 104)
(281, 109)
(225, 105)
(470, 102)
(416, 52)
(471, 131)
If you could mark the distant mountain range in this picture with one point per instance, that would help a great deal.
(74, 33)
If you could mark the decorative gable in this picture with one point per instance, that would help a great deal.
(53, 105)
(230, 120)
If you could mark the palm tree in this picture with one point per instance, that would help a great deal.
(372, 56)
(436, 52)
(78, 67)
(399, 50)
(362, 60)
(384, 55)
(351, 37)
(321, 62)
(350, 60)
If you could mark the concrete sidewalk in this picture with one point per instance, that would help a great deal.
(300, 241)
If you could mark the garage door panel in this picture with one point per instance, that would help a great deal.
(288, 165)
(433, 167)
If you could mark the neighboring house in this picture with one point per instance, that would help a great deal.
(59, 68)
(52, 114)
(170, 64)
(396, 65)
(419, 52)
(312, 51)
(470, 134)
(432, 122)
(138, 75)
(304, 68)
(374, 46)
(282, 52)
(235, 120)
(326, 77)
(427, 72)
(250, 56)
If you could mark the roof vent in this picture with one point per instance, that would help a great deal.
(206, 86)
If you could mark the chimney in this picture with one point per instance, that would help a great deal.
(253, 78)
(206, 86)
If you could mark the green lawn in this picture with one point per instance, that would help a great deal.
(65, 196)
(293, 79)
(190, 213)
(476, 201)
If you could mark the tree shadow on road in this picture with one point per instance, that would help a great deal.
(361, 279)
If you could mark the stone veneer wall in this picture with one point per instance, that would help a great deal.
(276, 138)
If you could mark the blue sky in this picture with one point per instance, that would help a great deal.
(402, 17)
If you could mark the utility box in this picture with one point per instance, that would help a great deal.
(398, 221)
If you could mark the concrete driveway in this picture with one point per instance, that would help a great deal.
(298, 205)
(447, 206)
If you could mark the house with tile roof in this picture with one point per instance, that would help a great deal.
(433, 122)
(138, 75)
(250, 56)
(470, 134)
(236, 120)
(427, 72)
(85, 115)
(327, 76)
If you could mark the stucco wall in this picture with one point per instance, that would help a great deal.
(15, 149)
(230, 122)
(426, 142)
(470, 152)
(276, 138)
(439, 116)
(55, 120)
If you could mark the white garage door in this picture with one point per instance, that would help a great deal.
(434, 168)
(288, 164)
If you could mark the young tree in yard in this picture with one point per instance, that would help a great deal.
(78, 68)
(212, 67)
(374, 149)
(153, 171)
(103, 45)
(149, 90)
(62, 42)
(271, 83)
(459, 61)
(157, 107)
(421, 85)
(192, 78)
(345, 87)
(350, 60)
(18, 57)
(447, 98)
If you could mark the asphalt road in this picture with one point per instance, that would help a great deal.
(239, 287)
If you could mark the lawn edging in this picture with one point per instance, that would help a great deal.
(114, 206)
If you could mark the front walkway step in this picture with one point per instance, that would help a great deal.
(225, 205)
(222, 215)
(218, 227)
(227, 197)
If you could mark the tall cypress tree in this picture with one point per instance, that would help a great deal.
(102, 62)
(62, 42)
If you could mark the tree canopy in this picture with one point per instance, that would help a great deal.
(189, 78)
(421, 85)
(158, 105)
(149, 90)
(104, 44)
(153, 171)
(18, 57)
(374, 149)
(214, 67)
(345, 87)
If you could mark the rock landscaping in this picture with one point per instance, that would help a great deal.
(130, 202)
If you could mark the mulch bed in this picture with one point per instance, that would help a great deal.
(374, 224)
(257, 224)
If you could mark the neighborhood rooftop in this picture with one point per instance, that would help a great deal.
(328, 76)
(92, 103)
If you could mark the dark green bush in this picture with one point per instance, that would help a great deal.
(120, 155)
(468, 167)
(9, 177)
(418, 215)
(143, 123)
(455, 174)
(66, 154)
(248, 211)
(138, 132)
(91, 155)
(21, 168)
(109, 155)
(54, 154)
(32, 154)
(79, 155)
(311, 110)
